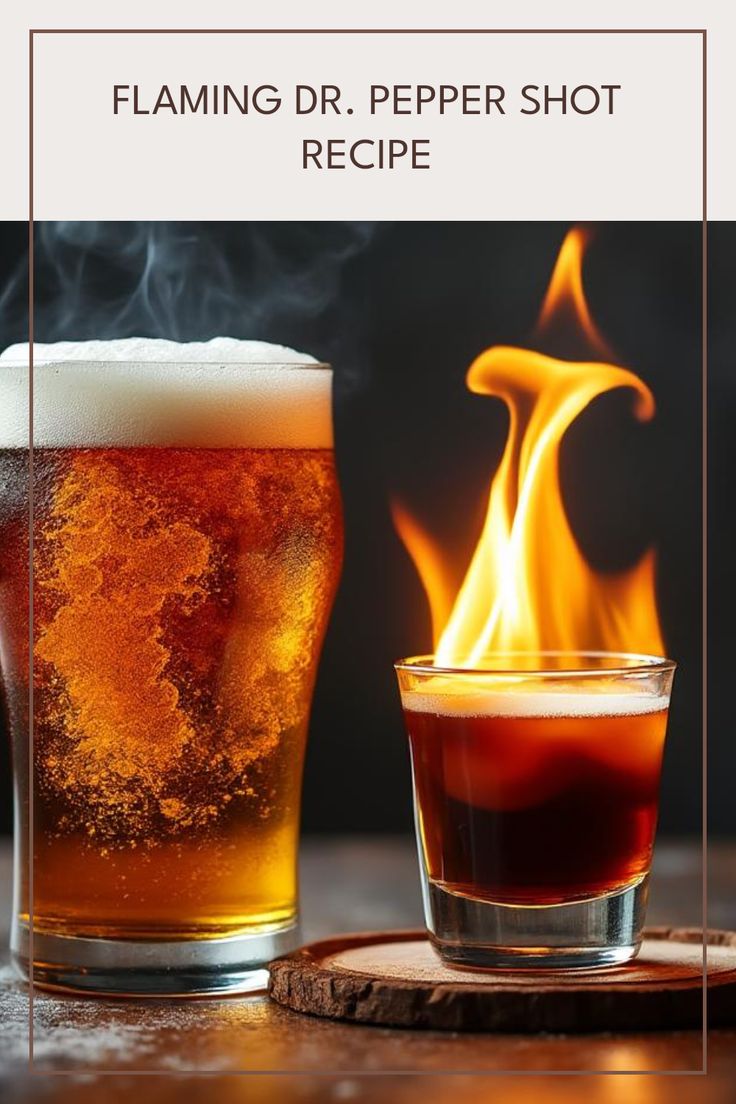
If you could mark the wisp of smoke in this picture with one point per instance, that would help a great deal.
(188, 281)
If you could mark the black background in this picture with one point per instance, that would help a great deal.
(400, 310)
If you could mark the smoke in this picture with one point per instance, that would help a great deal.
(278, 282)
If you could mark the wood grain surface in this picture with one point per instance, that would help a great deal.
(250, 1050)
(396, 979)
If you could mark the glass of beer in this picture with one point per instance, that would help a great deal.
(536, 786)
(186, 543)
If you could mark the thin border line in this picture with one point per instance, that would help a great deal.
(703, 33)
(369, 30)
(92, 1071)
(31, 726)
(704, 552)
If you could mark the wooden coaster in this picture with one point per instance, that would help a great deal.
(395, 978)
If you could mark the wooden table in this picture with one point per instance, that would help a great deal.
(349, 885)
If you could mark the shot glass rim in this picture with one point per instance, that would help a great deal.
(639, 663)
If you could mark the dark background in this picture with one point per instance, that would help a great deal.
(400, 310)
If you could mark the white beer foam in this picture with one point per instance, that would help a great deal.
(148, 391)
(535, 704)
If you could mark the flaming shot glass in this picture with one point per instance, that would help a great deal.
(536, 785)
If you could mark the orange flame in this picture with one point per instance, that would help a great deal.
(565, 304)
(528, 587)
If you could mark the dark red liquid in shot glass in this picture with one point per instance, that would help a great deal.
(537, 809)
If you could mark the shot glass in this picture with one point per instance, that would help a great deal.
(536, 787)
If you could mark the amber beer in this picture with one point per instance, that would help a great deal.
(181, 594)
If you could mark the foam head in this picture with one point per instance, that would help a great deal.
(446, 699)
(147, 391)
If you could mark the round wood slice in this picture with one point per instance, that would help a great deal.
(396, 979)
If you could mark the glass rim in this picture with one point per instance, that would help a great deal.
(634, 663)
(129, 362)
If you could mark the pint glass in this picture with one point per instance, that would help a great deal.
(186, 544)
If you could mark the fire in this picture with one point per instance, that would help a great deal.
(528, 586)
(565, 305)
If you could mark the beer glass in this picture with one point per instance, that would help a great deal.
(186, 544)
(536, 787)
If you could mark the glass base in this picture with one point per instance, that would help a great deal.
(599, 931)
(181, 968)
